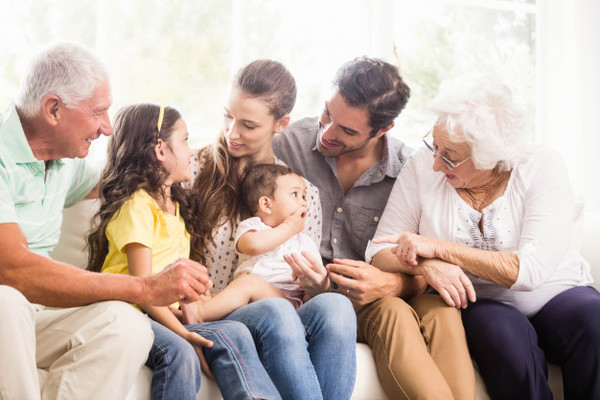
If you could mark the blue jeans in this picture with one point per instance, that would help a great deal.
(232, 359)
(309, 353)
(175, 364)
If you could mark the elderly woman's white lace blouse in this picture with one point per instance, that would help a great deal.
(221, 258)
(533, 218)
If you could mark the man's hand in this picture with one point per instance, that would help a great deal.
(184, 280)
(363, 283)
(450, 281)
(310, 273)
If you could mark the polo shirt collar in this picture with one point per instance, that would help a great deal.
(13, 137)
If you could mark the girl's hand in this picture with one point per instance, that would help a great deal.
(450, 282)
(410, 247)
(309, 271)
(198, 343)
(296, 221)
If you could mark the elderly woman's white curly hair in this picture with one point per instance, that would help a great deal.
(479, 110)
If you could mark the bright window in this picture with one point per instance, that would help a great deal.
(184, 53)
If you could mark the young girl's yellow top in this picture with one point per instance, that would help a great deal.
(141, 220)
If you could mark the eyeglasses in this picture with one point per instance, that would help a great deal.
(451, 166)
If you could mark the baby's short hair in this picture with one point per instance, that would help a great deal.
(260, 180)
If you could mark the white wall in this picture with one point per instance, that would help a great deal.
(569, 89)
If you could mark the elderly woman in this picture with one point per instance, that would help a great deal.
(491, 217)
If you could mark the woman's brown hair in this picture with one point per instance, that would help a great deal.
(215, 198)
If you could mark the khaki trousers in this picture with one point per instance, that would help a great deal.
(419, 348)
(91, 352)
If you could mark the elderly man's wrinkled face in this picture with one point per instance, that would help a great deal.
(80, 125)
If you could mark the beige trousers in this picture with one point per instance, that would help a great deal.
(419, 347)
(91, 352)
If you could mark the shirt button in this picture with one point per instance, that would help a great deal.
(376, 219)
(339, 209)
(334, 240)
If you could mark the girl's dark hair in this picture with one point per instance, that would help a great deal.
(219, 180)
(131, 165)
(261, 180)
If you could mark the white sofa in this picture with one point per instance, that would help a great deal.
(71, 249)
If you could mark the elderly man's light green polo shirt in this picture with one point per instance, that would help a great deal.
(32, 196)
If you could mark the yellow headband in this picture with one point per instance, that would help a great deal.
(161, 114)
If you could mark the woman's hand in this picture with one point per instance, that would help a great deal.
(198, 343)
(449, 281)
(309, 271)
(410, 247)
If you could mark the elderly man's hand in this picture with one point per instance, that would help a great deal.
(184, 280)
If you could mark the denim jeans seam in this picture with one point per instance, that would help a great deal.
(240, 362)
(165, 354)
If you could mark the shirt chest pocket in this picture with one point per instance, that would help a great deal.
(364, 223)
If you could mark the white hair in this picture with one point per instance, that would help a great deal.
(479, 110)
(68, 70)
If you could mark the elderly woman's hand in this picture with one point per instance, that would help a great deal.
(449, 281)
(410, 247)
(310, 273)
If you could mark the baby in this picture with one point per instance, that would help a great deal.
(276, 197)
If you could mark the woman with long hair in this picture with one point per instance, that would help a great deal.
(320, 335)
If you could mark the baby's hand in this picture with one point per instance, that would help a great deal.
(295, 221)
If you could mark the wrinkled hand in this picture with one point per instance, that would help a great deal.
(450, 281)
(410, 247)
(309, 271)
(198, 342)
(362, 283)
(184, 280)
(295, 221)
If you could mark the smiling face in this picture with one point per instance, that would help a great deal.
(343, 128)
(178, 154)
(80, 125)
(465, 175)
(289, 196)
(249, 127)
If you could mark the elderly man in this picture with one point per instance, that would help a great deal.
(93, 348)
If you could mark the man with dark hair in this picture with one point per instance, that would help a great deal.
(418, 342)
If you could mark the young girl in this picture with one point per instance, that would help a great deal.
(276, 196)
(320, 335)
(142, 226)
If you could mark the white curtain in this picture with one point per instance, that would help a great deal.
(569, 89)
